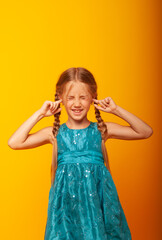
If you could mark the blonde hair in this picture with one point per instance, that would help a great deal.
(84, 76)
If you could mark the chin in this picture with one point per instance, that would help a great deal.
(79, 117)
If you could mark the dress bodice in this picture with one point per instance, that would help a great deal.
(79, 145)
(83, 199)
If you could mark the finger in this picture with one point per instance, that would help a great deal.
(57, 104)
(106, 104)
(51, 105)
(108, 99)
(58, 101)
(95, 100)
(58, 110)
(98, 107)
(102, 104)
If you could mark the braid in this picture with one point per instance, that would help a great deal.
(56, 124)
(100, 123)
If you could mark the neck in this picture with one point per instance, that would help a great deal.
(77, 123)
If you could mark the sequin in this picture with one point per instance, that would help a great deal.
(83, 201)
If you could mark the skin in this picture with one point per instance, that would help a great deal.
(77, 96)
(137, 129)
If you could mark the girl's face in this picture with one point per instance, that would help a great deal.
(77, 100)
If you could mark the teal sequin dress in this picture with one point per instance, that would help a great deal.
(83, 200)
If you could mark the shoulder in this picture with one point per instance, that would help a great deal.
(50, 133)
(109, 126)
(93, 124)
(96, 129)
(115, 130)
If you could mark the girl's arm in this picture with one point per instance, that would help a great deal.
(138, 129)
(21, 139)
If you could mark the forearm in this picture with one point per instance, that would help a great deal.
(22, 132)
(135, 122)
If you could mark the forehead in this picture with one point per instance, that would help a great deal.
(76, 88)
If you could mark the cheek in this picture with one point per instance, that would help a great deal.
(69, 103)
(86, 104)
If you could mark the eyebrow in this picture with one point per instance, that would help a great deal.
(82, 95)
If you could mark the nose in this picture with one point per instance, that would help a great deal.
(77, 103)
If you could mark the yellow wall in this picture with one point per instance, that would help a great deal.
(119, 42)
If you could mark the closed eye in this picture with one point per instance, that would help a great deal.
(84, 96)
(69, 98)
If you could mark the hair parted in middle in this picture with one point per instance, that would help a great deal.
(83, 75)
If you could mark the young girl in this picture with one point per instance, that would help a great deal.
(83, 200)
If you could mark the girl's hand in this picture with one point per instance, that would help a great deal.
(107, 104)
(50, 108)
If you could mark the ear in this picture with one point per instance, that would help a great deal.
(60, 97)
(92, 100)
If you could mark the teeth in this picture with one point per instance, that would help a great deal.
(77, 110)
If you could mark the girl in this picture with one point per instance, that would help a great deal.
(83, 200)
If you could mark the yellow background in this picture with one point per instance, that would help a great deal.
(120, 43)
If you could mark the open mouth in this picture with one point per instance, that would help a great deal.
(77, 111)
